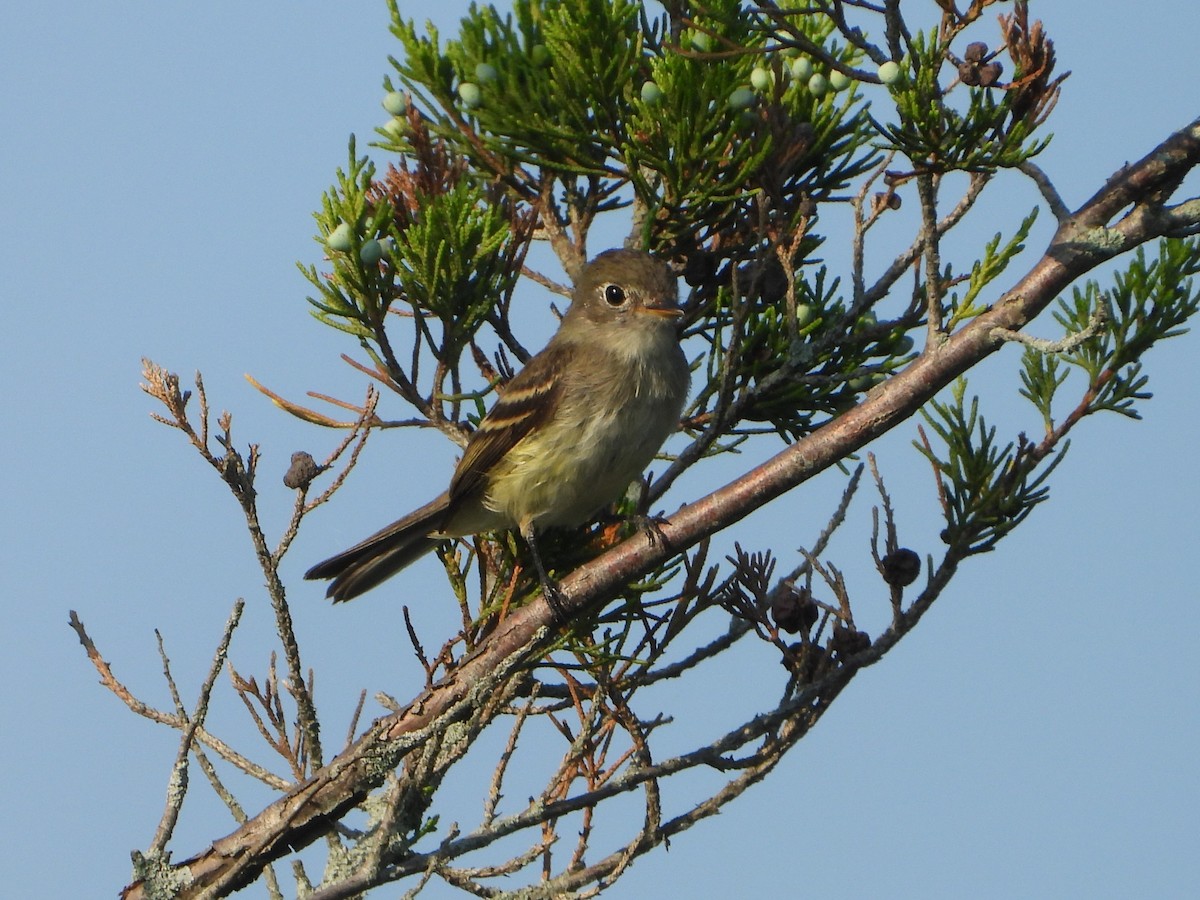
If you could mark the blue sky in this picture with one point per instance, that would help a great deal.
(1035, 737)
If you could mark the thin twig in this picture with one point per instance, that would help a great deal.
(110, 681)
(177, 787)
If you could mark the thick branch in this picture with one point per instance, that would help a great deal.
(1150, 180)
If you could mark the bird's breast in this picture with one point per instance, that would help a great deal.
(605, 431)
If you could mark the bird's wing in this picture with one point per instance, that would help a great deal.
(526, 402)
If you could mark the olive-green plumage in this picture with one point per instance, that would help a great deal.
(568, 433)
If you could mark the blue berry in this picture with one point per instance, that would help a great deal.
(371, 252)
(394, 103)
(741, 98)
(339, 238)
(651, 93)
(889, 72)
(470, 93)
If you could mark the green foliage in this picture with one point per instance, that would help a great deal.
(526, 115)
(578, 109)
(986, 490)
(698, 164)
(796, 361)
(989, 134)
(350, 298)
(987, 269)
(450, 259)
(1041, 376)
(449, 251)
(1149, 302)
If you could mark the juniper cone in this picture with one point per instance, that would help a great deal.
(568, 433)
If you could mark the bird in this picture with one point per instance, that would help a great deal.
(567, 434)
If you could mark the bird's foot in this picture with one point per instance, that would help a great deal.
(652, 526)
(556, 600)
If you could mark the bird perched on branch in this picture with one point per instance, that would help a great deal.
(568, 433)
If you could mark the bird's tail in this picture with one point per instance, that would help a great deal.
(383, 554)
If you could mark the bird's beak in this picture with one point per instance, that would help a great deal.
(668, 312)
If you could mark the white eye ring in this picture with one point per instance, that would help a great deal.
(614, 295)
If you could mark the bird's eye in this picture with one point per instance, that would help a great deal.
(614, 295)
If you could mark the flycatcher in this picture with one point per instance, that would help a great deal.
(568, 433)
